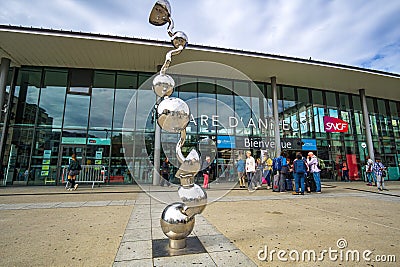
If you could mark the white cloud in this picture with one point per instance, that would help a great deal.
(357, 32)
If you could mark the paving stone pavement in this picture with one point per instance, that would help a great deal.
(144, 226)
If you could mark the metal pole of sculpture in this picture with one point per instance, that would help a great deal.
(177, 220)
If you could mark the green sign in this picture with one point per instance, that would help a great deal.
(45, 167)
(74, 140)
(99, 141)
(47, 154)
(82, 141)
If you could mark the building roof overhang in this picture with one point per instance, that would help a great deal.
(43, 47)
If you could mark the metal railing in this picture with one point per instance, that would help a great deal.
(89, 174)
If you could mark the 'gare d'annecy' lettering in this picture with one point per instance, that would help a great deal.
(261, 123)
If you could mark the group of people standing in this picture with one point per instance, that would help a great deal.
(280, 170)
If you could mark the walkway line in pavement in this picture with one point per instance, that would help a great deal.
(144, 226)
(56, 205)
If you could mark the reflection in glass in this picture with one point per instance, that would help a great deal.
(257, 107)
(76, 111)
(242, 107)
(225, 95)
(101, 108)
(27, 92)
(45, 154)
(98, 148)
(52, 97)
(290, 126)
(102, 100)
(206, 106)
(187, 91)
(125, 92)
(145, 104)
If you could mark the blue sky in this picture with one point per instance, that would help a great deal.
(364, 33)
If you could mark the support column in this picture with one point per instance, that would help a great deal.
(157, 150)
(368, 134)
(4, 68)
(277, 135)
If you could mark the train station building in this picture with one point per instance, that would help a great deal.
(69, 92)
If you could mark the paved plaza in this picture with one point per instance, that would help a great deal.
(118, 225)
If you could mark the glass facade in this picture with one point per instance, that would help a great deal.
(57, 112)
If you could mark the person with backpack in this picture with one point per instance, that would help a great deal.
(240, 171)
(299, 172)
(282, 169)
(74, 169)
(379, 170)
(369, 171)
(267, 169)
(312, 163)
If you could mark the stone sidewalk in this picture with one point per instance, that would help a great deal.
(127, 222)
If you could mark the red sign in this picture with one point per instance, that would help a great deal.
(335, 125)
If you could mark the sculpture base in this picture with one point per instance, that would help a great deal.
(177, 244)
(161, 247)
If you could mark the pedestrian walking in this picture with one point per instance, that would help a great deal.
(380, 173)
(369, 170)
(299, 171)
(312, 163)
(165, 169)
(345, 171)
(250, 170)
(206, 167)
(74, 169)
(283, 171)
(258, 174)
(267, 169)
(240, 165)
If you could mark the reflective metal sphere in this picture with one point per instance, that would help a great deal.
(176, 225)
(194, 197)
(191, 163)
(179, 39)
(161, 13)
(163, 85)
(173, 115)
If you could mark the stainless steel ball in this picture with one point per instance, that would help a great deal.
(179, 39)
(163, 85)
(173, 114)
(175, 224)
(194, 197)
(191, 163)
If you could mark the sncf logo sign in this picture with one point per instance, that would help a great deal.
(334, 125)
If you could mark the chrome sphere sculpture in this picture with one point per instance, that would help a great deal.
(173, 114)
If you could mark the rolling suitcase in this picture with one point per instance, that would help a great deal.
(275, 183)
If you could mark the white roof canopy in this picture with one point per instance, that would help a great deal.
(53, 48)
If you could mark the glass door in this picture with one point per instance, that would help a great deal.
(65, 157)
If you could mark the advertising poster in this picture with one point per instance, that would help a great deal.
(99, 154)
(46, 163)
